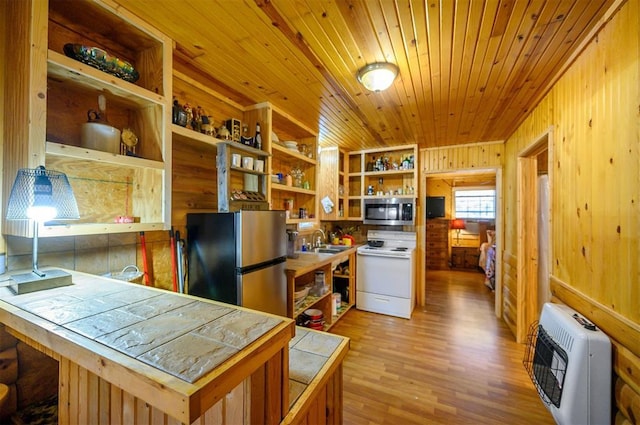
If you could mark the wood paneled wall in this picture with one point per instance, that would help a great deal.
(595, 211)
(462, 157)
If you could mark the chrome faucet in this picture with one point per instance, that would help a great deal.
(320, 240)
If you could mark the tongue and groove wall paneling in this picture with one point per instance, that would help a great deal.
(332, 182)
(195, 180)
(465, 157)
(595, 218)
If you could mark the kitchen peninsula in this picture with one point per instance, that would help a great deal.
(133, 354)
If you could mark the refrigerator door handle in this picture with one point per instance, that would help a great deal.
(263, 265)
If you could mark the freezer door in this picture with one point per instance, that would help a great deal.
(212, 256)
(262, 237)
(265, 289)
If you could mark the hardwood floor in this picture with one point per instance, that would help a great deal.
(454, 362)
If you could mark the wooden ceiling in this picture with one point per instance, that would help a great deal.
(470, 70)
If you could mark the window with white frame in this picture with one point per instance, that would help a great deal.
(475, 203)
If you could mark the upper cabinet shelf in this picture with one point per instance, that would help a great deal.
(282, 150)
(56, 149)
(289, 161)
(389, 172)
(110, 187)
(64, 69)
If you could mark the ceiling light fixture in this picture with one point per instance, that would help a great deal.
(377, 76)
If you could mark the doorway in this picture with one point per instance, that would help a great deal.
(533, 228)
(444, 185)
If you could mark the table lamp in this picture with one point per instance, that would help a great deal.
(40, 195)
(458, 224)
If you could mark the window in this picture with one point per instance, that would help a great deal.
(479, 204)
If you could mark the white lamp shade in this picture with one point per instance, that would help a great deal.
(378, 76)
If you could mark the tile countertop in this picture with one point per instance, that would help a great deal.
(147, 331)
(313, 356)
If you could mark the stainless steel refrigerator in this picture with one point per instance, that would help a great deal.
(239, 258)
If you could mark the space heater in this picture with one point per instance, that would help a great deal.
(569, 361)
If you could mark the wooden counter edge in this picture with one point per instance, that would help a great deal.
(308, 396)
(228, 375)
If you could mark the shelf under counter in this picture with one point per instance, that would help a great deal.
(344, 307)
(300, 272)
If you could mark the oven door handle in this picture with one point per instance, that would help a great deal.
(375, 254)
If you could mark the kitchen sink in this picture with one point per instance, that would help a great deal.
(317, 253)
(333, 248)
(325, 250)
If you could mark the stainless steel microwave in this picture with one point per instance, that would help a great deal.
(389, 211)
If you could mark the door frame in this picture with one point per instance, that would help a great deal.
(527, 229)
(499, 237)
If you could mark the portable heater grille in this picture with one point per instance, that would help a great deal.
(546, 363)
(569, 361)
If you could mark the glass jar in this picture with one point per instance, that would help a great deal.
(297, 174)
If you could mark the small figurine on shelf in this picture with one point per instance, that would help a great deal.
(245, 139)
(224, 133)
(189, 112)
(129, 140)
(197, 119)
(207, 127)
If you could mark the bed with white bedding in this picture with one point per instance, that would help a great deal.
(487, 259)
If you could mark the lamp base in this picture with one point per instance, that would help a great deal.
(31, 282)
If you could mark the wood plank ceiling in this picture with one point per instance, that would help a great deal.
(470, 70)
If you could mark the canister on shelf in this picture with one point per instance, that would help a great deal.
(318, 288)
(336, 301)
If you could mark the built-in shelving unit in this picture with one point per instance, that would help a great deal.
(284, 160)
(61, 91)
(338, 277)
(241, 185)
(278, 159)
(399, 178)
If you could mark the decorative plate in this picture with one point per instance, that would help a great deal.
(101, 60)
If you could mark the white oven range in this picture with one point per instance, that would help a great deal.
(385, 276)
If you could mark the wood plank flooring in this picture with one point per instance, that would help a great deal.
(454, 362)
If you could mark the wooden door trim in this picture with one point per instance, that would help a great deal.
(527, 230)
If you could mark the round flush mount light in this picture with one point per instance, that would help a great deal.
(377, 76)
